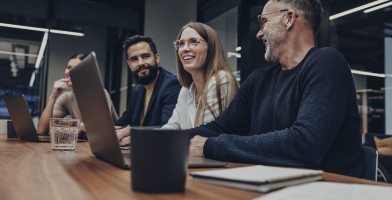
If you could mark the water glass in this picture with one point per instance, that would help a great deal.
(64, 133)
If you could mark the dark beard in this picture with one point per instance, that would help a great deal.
(148, 78)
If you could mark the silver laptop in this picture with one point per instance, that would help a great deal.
(93, 105)
(22, 121)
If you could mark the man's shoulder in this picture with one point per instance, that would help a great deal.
(326, 53)
(327, 59)
(265, 71)
(170, 80)
(168, 75)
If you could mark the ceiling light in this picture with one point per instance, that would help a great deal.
(377, 7)
(41, 50)
(41, 29)
(39, 58)
(18, 54)
(357, 9)
(367, 73)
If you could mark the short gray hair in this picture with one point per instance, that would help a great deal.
(311, 11)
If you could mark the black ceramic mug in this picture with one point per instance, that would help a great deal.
(159, 159)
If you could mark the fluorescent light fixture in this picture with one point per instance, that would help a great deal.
(41, 29)
(377, 7)
(238, 49)
(18, 54)
(32, 79)
(367, 73)
(357, 9)
(39, 58)
(41, 50)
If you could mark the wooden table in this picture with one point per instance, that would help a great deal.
(31, 170)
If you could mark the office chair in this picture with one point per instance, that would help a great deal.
(384, 162)
(371, 162)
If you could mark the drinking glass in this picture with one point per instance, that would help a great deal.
(64, 133)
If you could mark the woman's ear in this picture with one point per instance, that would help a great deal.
(291, 18)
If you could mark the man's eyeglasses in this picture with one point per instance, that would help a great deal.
(192, 43)
(262, 21)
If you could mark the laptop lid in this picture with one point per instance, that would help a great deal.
(21, 118)
(93, 105)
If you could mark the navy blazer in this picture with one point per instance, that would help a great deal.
(161, 106)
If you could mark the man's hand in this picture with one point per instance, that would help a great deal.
(196, 146)
(124, 137)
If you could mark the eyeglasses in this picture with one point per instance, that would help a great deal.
(192, 43)
(262, 22)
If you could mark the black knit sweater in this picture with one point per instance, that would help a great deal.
(304, 117)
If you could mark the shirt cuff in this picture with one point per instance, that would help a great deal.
(208, 149)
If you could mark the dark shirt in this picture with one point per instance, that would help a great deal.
(161, 106)
(304, 117)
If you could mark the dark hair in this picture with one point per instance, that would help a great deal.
(80, 56)
(136, 39)
(311, 10)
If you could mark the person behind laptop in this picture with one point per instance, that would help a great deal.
(208, 82)
(301, 112)
(152, 101)
(66, 103)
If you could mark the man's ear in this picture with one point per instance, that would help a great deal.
(291, 19)
(157, 58)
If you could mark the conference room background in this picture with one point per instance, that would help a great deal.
(37, 39)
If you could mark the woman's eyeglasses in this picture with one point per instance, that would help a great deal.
(192, 43)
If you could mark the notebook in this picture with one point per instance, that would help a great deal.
(330, 191)
(258, 178)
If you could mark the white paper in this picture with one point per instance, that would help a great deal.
(330, 191)
(258, 173)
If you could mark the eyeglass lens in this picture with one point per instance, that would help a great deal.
(191, 43)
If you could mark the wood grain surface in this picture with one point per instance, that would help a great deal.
(31, 170)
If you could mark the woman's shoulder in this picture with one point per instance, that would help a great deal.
(224, 77)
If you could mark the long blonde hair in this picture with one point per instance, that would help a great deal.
(215, 61)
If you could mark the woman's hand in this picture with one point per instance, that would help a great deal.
(59, 86)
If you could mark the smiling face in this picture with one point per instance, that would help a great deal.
(273, 34)
(193, 59)
(143, 63)
(71, 64)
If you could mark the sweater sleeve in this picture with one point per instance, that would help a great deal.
(327, 88)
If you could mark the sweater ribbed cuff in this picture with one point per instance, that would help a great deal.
(208, 149)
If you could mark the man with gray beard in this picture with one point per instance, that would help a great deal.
(301, 112)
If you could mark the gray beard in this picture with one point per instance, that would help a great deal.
(275, 39)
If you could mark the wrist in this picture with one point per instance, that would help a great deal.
(52, 96)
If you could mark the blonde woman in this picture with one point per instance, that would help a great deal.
(208, 82)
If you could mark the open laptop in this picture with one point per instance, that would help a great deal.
(22, 121)
(93, 105)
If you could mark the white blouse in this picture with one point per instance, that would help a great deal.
(185, 112)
